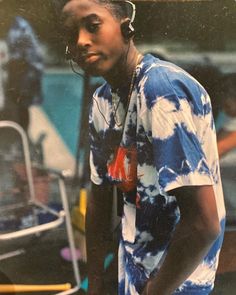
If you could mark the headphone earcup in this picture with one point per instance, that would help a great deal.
(127, 29)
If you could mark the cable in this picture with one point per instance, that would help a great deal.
(100, 111)
(81, 74)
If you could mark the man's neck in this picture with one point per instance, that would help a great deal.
(122, 73)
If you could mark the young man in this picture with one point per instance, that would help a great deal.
(152, 134)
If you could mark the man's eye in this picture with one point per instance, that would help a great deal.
(92, 27)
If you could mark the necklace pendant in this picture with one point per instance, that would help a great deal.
(116, 109)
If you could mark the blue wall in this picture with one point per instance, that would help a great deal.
(62, 101)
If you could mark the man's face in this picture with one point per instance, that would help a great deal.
(94, 36)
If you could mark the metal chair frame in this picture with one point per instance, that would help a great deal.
(61, 217)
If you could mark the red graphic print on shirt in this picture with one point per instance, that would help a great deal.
(123, 168)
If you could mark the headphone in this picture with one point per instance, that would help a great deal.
(127, 29)
(68, 54)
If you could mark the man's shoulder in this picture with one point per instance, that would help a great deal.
(158, 78)
(155, 68)
(166, 77)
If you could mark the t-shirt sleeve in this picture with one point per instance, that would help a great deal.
(97, 163)
(175, 120)
(98, 159)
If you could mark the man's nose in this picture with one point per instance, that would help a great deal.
(83, 39)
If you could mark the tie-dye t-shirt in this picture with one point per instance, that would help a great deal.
(167, 141)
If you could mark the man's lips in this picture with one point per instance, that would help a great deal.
(91, 57)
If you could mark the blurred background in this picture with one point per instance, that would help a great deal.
(199, 36)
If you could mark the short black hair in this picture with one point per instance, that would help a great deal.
(119, 8)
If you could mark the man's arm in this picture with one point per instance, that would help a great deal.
(197, 230)
(98, 221)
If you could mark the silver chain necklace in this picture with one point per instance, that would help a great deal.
(114, 107)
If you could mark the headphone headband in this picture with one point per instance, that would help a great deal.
(127, 28)
(132, 11)
(133, 7)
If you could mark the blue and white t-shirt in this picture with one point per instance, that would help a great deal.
(167, 141)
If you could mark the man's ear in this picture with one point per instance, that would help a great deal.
(127, 30)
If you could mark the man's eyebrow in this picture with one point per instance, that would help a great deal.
(90, 17)
(75, 23)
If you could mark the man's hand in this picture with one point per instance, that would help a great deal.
(150, 288)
